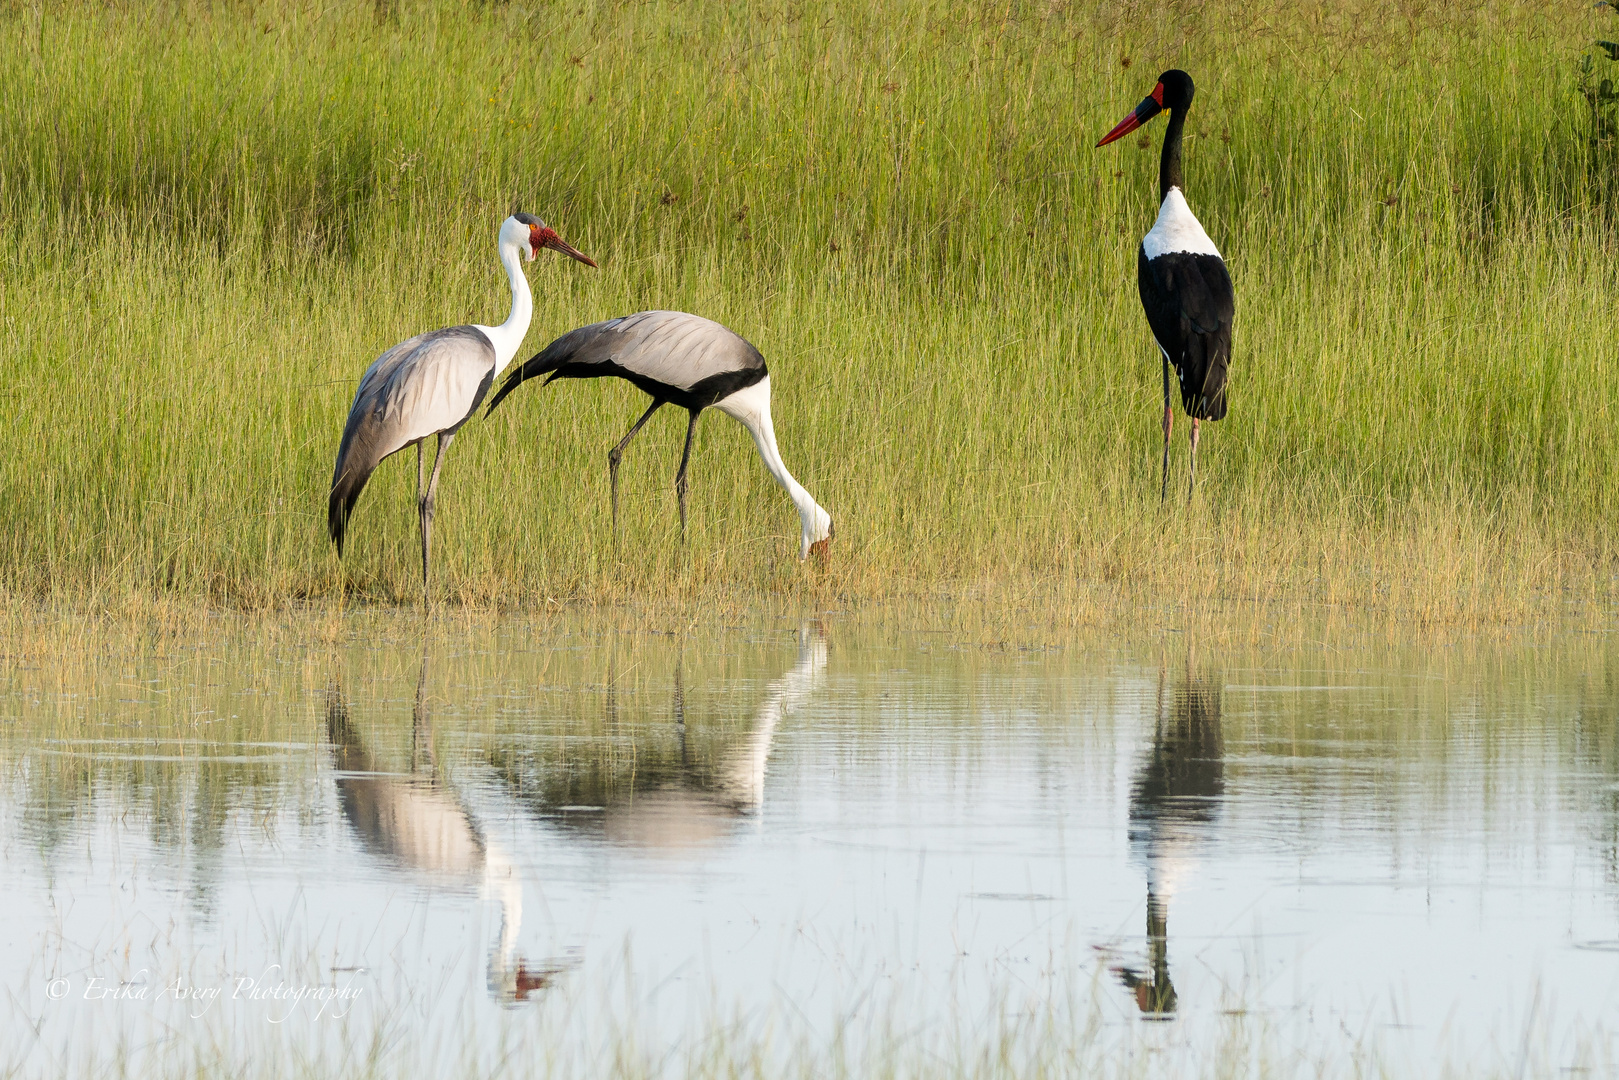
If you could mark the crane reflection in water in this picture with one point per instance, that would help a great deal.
(416, 822)
(1173, 802)
(656, 802)
(667, 796)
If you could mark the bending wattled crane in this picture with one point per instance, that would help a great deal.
(688, 361)
(432, 384)
(670, 797)
(1185, 288)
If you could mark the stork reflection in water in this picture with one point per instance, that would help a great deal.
(1173, 802)
(669, 796)
(417, 823)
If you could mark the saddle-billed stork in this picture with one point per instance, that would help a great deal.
(1185, 288)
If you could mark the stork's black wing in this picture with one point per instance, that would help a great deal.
(1190, 305)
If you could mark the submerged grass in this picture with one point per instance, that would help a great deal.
(212, 217)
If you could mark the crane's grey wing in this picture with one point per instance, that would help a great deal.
(672, 355)
(405, 818)
(429, 384)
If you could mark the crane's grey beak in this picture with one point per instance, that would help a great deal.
(548, 238)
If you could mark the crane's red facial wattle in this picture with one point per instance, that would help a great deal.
(820, 551)
(548, 238)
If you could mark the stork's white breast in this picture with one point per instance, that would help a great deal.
(1177, 230)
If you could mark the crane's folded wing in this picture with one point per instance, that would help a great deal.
(656, 350)
(427, 384)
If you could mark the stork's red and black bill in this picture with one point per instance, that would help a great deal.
(1151, 106)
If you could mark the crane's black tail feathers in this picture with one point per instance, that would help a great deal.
(513, 381)
(542, 363)
(345, 493)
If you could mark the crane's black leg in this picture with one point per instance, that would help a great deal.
(444, 440)
(1169, 421)
(421, 504)
(680, 713)
(421, 724)
(618, 451)
(680, 477)
(1191, 484)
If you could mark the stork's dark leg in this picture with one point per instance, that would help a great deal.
(618, 451)
(680, 477)
(1161, 998)
(426, 505)
(1169, 421)
(1191, 484)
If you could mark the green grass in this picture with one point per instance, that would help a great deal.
(212, 218)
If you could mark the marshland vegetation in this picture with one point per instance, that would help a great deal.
(214, 215)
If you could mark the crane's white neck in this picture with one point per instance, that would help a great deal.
(744, 775)
(751, 407)
(508, 336)
(500, 878)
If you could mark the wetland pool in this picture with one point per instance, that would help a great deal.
(812, 849)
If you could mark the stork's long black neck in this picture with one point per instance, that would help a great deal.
(1169, 165)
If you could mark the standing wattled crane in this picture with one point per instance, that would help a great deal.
(417, 822)
(1185, 287)
(685, 360)
(432, 384)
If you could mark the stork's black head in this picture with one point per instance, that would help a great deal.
(1174, 91)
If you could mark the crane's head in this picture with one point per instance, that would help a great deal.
(531, 234)
(818, 532)
(1174, 91)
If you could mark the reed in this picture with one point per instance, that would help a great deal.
(213, 216)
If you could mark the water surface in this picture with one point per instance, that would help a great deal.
(809, 846)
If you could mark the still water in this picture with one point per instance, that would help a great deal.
(808, 849)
